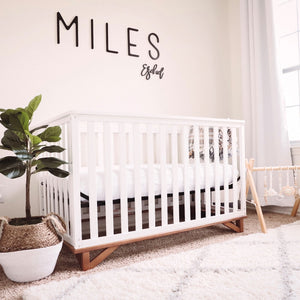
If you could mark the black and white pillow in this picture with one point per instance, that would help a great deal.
(211, 143)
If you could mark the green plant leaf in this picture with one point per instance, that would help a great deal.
(51, 134)
(38, 128)
(34, 162)
(4, 148)
(22, 136)
(12, 141)
(23, 118)
(34, 139)
(33, 105)
(15, 119)
(50, 149)
(12, 167)
(49, 162)
(54, 171)
(10, 120)
(59, 172)
(23, 154)
(4, 118)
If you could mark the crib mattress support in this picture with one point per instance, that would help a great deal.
(84, 257)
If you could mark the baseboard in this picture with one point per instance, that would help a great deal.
(275, 209)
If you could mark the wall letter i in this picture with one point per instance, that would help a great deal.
(92, 34)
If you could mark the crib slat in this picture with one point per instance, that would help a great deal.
(66, 209)
(42, 195)
(164, 200)
(207, 173)
(100, 154)
(60, 197)
(56, 182)
(65, 183)
(92, 180)
(65, 145)
(47, 195)
(55, 195)
(235, 190)
(137, 150)
(130, 146)
(123, 181)
(242, 167)
(75, 153)
(225, 160)
(108, 148)
(175, 175)
(217, 192)
(52, 192)
(187, 201)
(197, 172)
(150, 162)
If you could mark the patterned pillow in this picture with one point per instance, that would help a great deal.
(211, 143)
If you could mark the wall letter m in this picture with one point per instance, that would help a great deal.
(74, 21)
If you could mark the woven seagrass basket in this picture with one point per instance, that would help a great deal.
(33, 236)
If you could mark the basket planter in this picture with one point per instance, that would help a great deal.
(29, 247)
(30, 252)
(30, 265)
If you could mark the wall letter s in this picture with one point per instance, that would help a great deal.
(154, 57)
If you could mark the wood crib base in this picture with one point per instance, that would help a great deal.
(84, 255)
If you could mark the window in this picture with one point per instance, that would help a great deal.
(287, 21)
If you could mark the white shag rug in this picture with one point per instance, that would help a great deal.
(257, 266)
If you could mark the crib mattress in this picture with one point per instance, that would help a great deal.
(205, 173)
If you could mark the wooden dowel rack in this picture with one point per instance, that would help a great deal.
(278, 168)
(250, 184)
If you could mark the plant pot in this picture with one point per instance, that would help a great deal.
(30, 265)
(29, 252)
(18, 235)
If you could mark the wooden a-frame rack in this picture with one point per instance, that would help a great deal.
(250, 184)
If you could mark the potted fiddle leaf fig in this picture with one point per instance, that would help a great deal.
(26, 241)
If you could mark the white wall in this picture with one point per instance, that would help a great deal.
(234, 31)
(199, 49)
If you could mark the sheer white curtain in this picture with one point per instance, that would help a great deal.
(266, 131)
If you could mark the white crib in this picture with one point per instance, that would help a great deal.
(134, 178)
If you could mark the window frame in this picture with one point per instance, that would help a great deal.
(293, 68)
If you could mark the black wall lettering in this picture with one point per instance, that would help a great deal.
(74, 21)
(154, 57)
(107, 42)
(129, 44)
(147, 71)
(92, 34)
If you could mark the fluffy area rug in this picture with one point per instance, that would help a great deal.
(257, 266)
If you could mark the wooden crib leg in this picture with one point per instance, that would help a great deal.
(237, 225)
(87, 264)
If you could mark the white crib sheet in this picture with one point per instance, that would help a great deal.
(116, 194)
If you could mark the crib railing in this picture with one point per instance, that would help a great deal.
(151, 148)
